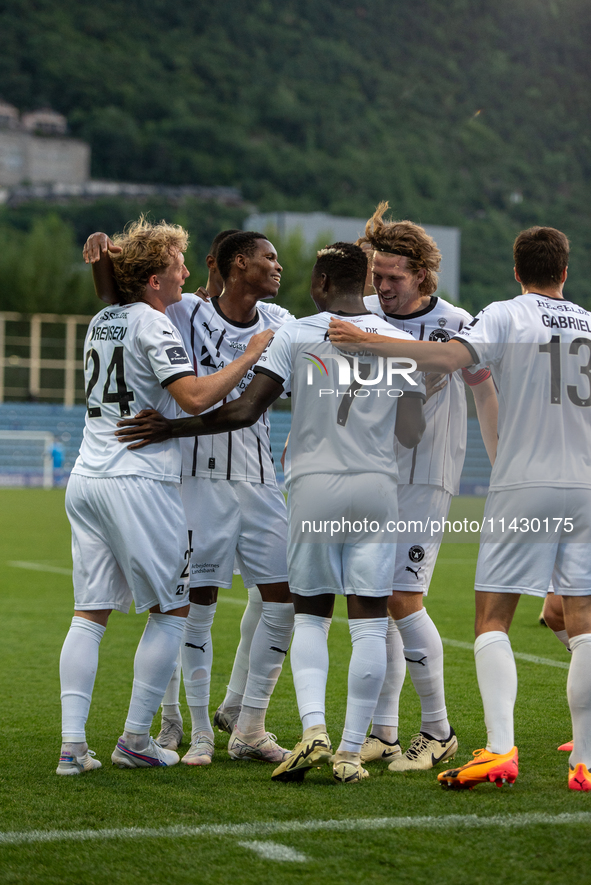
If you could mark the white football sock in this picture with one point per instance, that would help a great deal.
(367, 669)
(385, 719)
(423, 652)
(155, 660)
(578, 690)
(269, 648)
(197, 657)
(562, 635)
(248, 624)
(78, 665)
(170, 702)
(497, 681)
(309, 665)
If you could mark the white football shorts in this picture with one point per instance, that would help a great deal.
(239, 520)
(129, 541)
(535, 536)
(342, 536)
(417, 548)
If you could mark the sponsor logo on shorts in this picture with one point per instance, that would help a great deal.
(176, 356)
(416, 553)
(200, 568)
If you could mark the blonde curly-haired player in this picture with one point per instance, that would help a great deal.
(129, 533)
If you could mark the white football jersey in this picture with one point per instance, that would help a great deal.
(212, 342)
(539, 351)
(439, 457)
(343, 407)
(132, 352)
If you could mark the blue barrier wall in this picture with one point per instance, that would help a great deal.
(17, 467)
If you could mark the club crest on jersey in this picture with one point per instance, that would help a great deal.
(351, 369)
(439, 335)
(176, 356)
(416, 553)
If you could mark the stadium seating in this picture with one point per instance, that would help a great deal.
(20, 463)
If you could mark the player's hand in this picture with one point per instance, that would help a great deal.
(96, 245)
(343, 335)
(257, 345)
(148, 426)
(202, 293)
(434, 382)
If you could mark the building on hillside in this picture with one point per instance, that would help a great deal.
(39, 161)
(35, 149)
(316, 225)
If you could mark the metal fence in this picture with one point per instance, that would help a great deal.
(41, 357)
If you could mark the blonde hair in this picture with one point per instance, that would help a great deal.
(406, 239)
(147, 249)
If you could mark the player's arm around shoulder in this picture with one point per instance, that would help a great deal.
(429, 356)
(195, 395)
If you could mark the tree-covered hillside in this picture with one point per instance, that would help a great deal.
(461, 113)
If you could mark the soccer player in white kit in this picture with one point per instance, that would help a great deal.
(229, 489)
(340, 466)
(537, 521)
(129, 533)
(405, 263)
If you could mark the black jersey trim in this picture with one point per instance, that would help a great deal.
(229, 464)
(261, 469)
(273, 375)
(473, 353)
(220, 312)
(419, 313)
(195, 450)
(411, 478)
(346, 313)
(172, 378)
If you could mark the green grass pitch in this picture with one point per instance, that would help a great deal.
(486, 835)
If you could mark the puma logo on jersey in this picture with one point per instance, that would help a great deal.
(416, 574)
(201, 647)
(274, 648)
(207, 329)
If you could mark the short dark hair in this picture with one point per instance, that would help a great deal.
(344, 263)
(541, 255)
(215, 244)
(242, 243)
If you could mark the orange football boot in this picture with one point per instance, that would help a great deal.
(567, 748)
(498, 768)
(579, 778)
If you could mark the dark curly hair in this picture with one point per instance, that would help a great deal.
(344, 263)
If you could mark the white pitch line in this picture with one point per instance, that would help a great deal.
(520, 655)
(274, 851)
(38, 567)
(292, 827)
